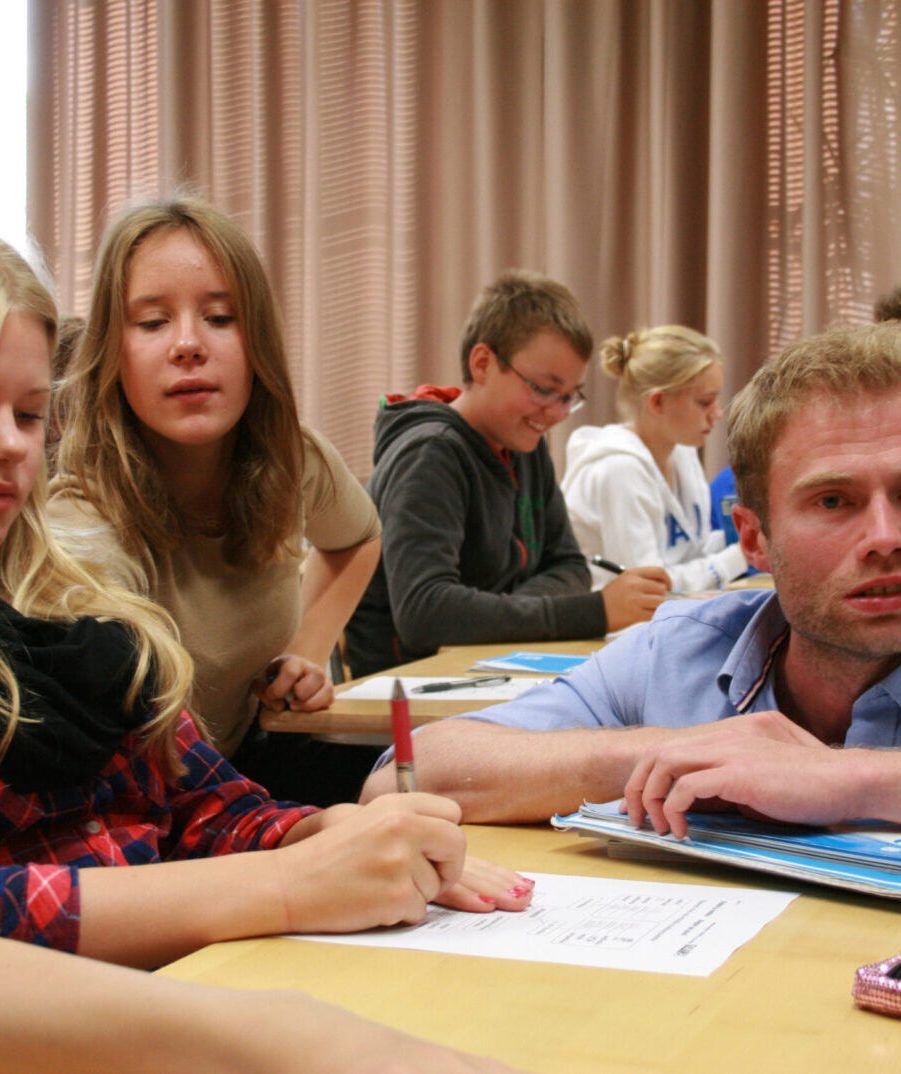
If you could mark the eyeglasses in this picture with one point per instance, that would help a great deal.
(547, 397)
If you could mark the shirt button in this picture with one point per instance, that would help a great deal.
(92, 827)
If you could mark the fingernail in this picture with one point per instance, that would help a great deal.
(518, 892)
(526, 880)
(488, 899)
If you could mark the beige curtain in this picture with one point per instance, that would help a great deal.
(730, 164)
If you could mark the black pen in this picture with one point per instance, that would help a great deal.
(460, 684)
(607, 564)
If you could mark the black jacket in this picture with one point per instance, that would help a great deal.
(473, 549)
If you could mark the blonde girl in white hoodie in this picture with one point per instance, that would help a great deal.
(636, 492)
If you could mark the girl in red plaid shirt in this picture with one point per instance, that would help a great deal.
(101, 763)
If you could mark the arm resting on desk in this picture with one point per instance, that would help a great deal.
(500, 774)
(379, 864)
(58, 1012)
(764, 765)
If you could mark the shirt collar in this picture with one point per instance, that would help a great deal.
(746, 668)
(746, 674)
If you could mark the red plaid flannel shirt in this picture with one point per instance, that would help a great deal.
(128, 815)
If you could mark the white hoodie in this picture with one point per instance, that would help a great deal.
(621, 508)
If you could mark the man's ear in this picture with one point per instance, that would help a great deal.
(480, 359)
(751, 537)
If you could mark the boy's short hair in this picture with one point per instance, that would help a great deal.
(837, 364)
(888, 306)
(514, 308)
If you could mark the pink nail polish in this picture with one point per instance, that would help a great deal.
(488, 899)
(526, 881)
(518, 892)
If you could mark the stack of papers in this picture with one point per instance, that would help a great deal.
(864, 856)
(546, 663)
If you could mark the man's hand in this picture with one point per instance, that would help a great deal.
(634, 596)
(761, 763)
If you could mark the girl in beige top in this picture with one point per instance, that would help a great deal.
(183, 471)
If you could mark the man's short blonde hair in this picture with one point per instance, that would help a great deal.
(838, 364)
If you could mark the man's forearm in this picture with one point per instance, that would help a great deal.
(500, 774)
(874, 777)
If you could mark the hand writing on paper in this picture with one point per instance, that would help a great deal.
(383, 863)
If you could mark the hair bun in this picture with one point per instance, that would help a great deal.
(615, 353)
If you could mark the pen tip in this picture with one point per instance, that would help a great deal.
(397, 694)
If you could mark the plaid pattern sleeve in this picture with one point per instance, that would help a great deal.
(128, 815)
(40, 904)
(216, 810)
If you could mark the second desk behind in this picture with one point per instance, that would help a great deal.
(357, 716)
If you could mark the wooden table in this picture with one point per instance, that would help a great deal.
(372, 718)
(779, 1005)
(357, 716)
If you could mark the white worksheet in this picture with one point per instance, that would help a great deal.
(380, 687)
(594, 921)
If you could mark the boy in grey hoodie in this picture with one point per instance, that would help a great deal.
(476, 542)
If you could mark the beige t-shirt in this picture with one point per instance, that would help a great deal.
(232, 622)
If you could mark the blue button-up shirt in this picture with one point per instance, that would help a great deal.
(695, 662)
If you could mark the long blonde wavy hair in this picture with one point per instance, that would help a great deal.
(39, 579)
(103, 455)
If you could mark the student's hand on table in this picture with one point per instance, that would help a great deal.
(634, 596)
(762, 764)
(484, 887)
(293, 682)
(381, 866)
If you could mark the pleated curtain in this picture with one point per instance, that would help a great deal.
(727, 164)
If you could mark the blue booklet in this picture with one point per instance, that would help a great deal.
(864, 856)
(547, 663)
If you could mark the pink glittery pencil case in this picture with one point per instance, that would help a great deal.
(877, 986)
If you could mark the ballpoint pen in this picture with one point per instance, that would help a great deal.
(460, 684)
(403, 739)
(607, 564)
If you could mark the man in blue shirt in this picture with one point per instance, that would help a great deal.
(744, 696)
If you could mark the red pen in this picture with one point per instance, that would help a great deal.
(403, 739)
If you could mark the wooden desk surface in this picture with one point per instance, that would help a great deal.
(355, 716)
(780, 1005)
